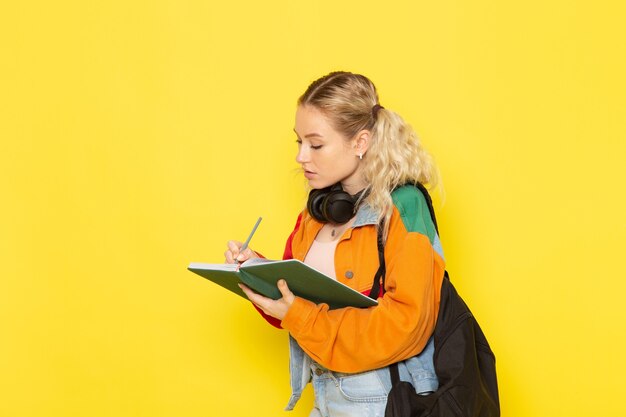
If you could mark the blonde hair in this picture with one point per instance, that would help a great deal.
(395, 155)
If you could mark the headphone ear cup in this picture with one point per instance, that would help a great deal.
(315, 204)
(338, 207)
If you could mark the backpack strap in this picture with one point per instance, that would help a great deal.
(378, 286)
(379, 277)
(429, 203)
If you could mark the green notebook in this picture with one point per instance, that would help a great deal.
(261, 275)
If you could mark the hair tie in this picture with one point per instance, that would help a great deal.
(375, 110)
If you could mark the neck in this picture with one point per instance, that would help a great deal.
(352, 188)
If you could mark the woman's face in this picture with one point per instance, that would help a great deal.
(326, 156)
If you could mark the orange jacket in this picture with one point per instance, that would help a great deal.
(353, 339)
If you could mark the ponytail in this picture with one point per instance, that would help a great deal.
(395, 157)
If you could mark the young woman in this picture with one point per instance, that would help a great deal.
(348, 141)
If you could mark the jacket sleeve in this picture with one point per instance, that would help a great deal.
(355, 340)
(287, 254)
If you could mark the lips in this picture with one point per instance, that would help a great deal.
(309, 174)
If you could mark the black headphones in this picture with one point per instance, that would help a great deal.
(332, 204)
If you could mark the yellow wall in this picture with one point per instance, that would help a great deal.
(137, 137)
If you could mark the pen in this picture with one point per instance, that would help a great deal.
(245, 244)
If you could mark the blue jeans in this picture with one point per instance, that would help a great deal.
(345, 395)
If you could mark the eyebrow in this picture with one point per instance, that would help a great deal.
(310, 135)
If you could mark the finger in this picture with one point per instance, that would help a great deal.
(257, 299)
(245, 289)
(245, 255)
(285, 291)
(228, 255)
(249, 293)
(233, 247)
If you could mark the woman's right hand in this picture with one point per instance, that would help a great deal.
(234, 254)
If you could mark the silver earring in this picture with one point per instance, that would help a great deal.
(360, 156)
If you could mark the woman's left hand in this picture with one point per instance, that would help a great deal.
(275, 308)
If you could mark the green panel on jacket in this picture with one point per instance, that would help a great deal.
(413, 209)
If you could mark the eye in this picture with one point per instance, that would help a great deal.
(316, 147)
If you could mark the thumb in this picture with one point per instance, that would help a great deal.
(284, 290)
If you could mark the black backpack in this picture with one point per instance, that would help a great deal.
(464, 362)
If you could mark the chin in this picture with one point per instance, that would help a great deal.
(319, 184)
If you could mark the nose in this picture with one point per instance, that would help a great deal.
(303, 154)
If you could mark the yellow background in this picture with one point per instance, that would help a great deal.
(137, 137)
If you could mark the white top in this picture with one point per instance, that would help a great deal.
(321, 256)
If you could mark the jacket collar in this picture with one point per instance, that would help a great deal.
(365, 215)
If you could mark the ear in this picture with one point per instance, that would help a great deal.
(362, 141)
